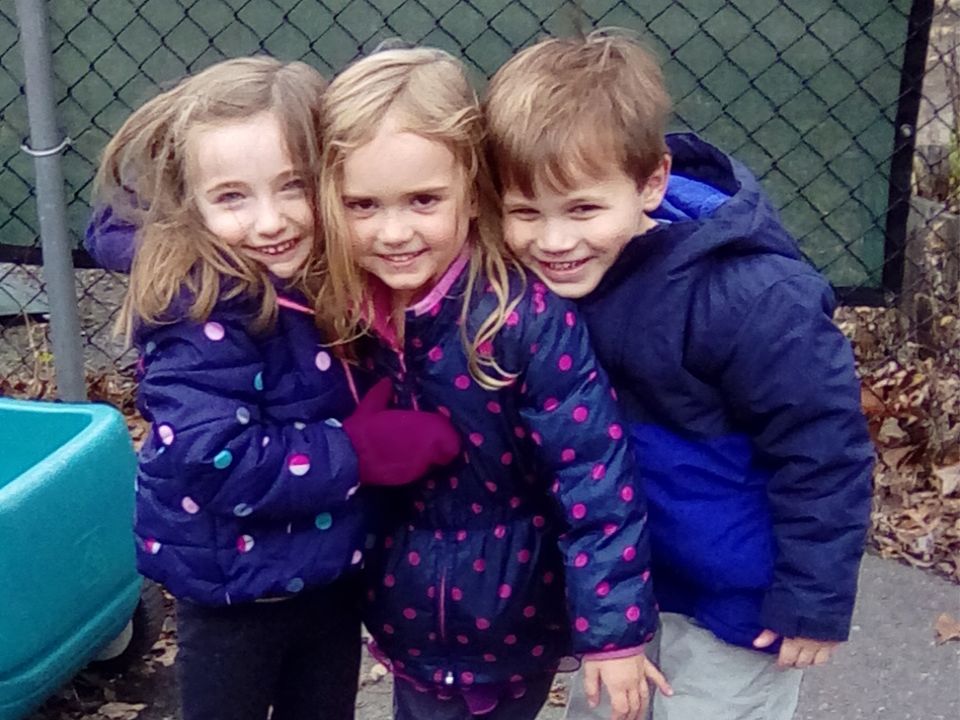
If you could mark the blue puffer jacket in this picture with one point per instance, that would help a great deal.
(467, 584)
(246, 481)
(745, 409)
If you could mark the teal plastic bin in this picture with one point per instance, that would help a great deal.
(68, 579)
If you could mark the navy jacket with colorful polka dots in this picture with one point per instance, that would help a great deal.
(466, 584)
(744, 407)
(246, 480)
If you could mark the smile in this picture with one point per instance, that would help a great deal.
(401, 258)
(277, 249)
(563, 266)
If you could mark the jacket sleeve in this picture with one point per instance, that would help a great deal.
(572, 414)
(214, 445)
(110, 240)
(790, 380)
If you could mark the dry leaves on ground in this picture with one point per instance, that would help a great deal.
(947, 629)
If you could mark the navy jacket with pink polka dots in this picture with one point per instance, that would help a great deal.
(744, 406)
(246, 481)
(466, 585)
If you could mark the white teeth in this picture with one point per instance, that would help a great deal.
(278, 249)
(400, 258)
(561, 266)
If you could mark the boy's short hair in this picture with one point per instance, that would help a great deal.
(572, 106)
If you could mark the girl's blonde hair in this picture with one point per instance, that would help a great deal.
(426, 92)
(143, 177)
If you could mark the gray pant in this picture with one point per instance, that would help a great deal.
(710, 679)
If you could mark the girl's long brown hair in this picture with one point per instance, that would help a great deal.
(143, 177)
(426, 92)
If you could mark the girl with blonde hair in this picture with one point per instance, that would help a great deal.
(465, 585)
(246, 489)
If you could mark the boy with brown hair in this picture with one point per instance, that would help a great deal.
(741, 392)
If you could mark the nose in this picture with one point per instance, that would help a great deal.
(395, 228)
(269, 220)
(556, 237)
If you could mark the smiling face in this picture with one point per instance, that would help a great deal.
(570, 238)
(407, 208)
(250, 194)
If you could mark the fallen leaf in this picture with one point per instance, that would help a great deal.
(947, 628)
(120, 710)
(949, 479)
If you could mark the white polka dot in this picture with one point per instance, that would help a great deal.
(333, 422)
(322, 361)
(299, 425)
(243, 416)
(214, 331)
(357, 557)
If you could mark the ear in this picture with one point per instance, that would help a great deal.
(655, 187)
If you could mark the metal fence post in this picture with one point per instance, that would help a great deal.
(45, 146)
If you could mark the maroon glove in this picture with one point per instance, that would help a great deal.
(395, 447)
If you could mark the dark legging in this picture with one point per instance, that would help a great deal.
(300, 655)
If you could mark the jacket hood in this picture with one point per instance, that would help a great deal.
(706, 184)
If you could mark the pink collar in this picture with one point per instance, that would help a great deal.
(439, 290)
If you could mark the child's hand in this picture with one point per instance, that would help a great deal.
(395, 447)
(797, 652)
(626, 681)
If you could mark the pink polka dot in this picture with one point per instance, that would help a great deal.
(633, 613)
(534, 348)
(512, 318)
(214, 331)
(482, 623)
(435, 354)
(514, 502)
(613, 393)
(504, 591)
(580, 413)
(463, 639)
(603, 589)
(510, 640)
(581, 624)
(461, 535)
(579, 511)
(500, 531)
(615, 431)
(626, 493)
(388, 542)
(551, 404)
(245, 543)
(476, 439)
(568, 455)
(438, 676)
(539, 287)
(570, 319)
(485, 348)
(389, 580)
(479, 564)
(453, 483)
(523, 555)
(477, 508)
(493, 407)
(489, 657)
(599, 471)
(629, 553)
(413, 652)
(189, 505)
(539, 305)
(462, 382)
(535, 436)
(414, 558)
(431, 591)
(529, 611)
(547, 578)
(491, 486)
(445, 411)
(537, 650)
(456, 593)
(506, 458)
(371, 595)
(416, 342)
(538, 521)
(519, 432)
(645, 576)
(466, 677)
(609, 529)
(565, 362)
(388, 629)
(592, 376)
(580, 560)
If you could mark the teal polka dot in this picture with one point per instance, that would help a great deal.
(295, 585)
(223, 459)
(150, 347)
(323, 521)
(258, 381)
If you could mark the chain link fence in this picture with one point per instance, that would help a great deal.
(841, 107)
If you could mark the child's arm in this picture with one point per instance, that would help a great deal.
(788, 376)
(570, 410)
(202, 388)
(626, 680)
(110, 240)
(797, 652)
